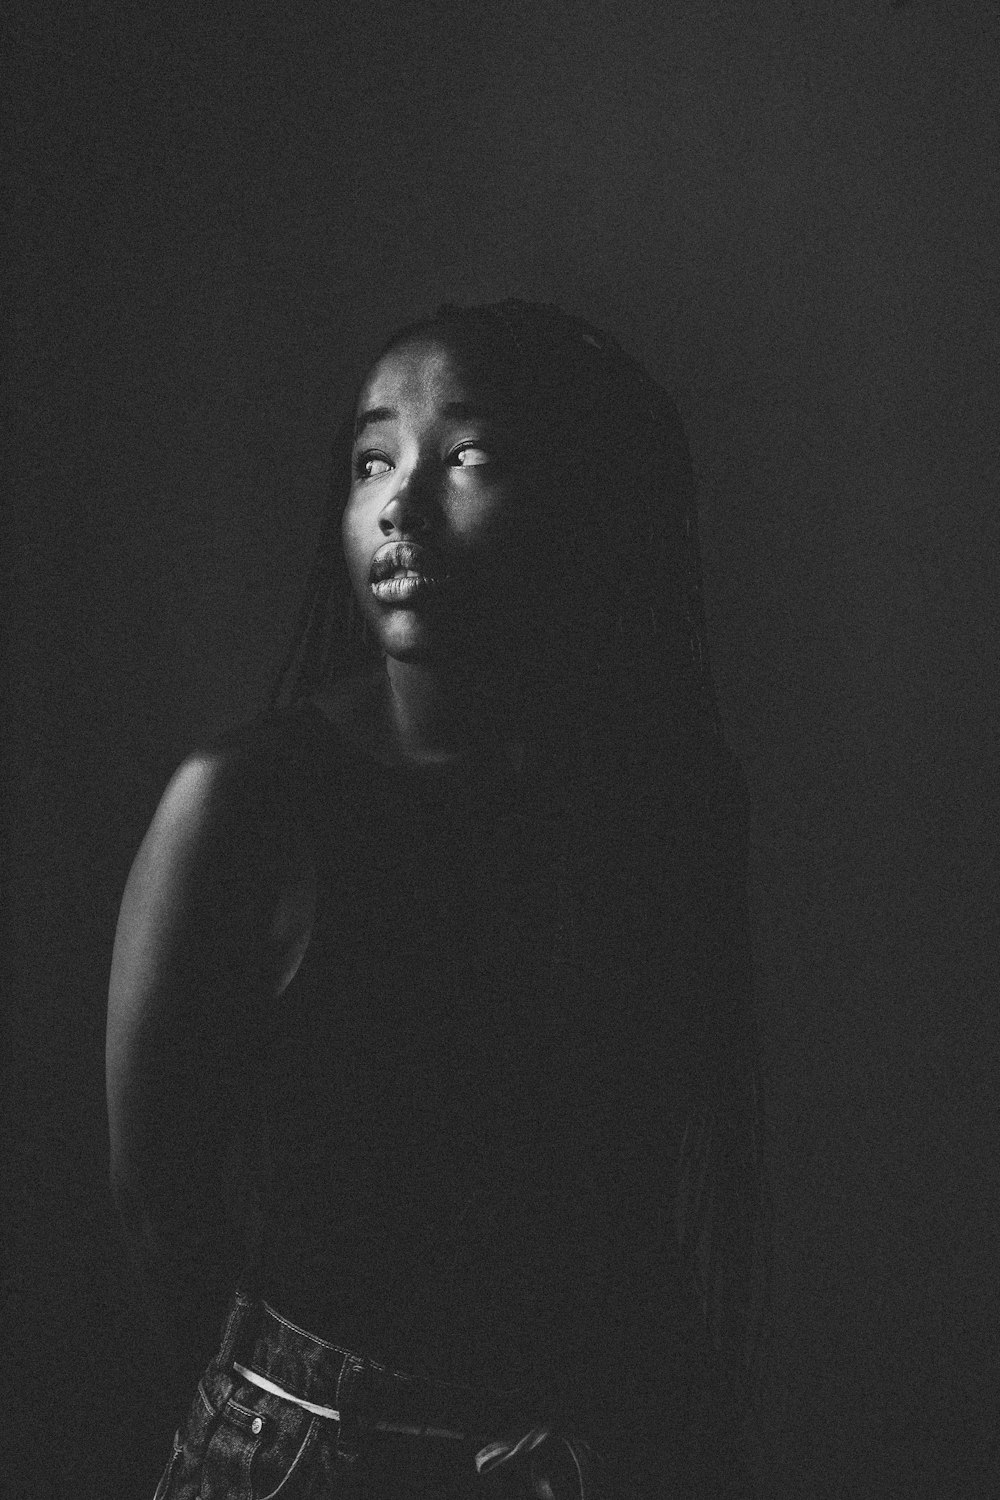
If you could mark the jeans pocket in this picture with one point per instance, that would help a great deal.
(239, 1443)
(260, 1447)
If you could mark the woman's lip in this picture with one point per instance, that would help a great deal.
(405, 588)
(399, 557)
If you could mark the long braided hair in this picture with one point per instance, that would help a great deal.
(618, 697)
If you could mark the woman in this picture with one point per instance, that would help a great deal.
(429, 1022)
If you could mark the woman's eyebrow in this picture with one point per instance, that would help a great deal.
(468, 411)
(372, 415)
(463, 411)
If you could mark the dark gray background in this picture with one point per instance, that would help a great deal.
(788, 211)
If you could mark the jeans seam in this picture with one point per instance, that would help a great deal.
(162, 1491)
(246, 1411)
(307, 1442)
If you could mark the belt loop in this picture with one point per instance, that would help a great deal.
(351, 1388)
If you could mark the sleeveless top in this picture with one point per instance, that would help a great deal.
(459, 1174)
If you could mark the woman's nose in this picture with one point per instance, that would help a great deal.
(409, 506)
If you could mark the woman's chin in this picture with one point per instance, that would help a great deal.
(428, 636)
(410, 637)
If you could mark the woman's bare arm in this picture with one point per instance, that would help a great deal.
(190, 962)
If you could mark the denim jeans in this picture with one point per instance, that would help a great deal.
(394, 1437)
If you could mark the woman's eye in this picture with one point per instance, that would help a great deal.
(471, 454)
(371, 465)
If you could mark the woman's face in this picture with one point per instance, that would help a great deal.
(443, 525)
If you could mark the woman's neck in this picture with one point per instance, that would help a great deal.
(437, 713)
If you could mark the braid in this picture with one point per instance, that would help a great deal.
(320, 641)
(628, 678)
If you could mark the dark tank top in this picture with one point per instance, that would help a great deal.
(444, 1190)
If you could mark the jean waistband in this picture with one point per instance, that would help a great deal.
(366, 1396)
(359, 1388)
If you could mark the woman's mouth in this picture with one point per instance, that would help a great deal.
(404, 587)
(405, 573)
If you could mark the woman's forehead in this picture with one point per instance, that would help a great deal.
(446, 363)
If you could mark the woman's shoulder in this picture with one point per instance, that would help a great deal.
(274, 765)
(239, 778)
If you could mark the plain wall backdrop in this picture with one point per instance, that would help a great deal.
(788, 211)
